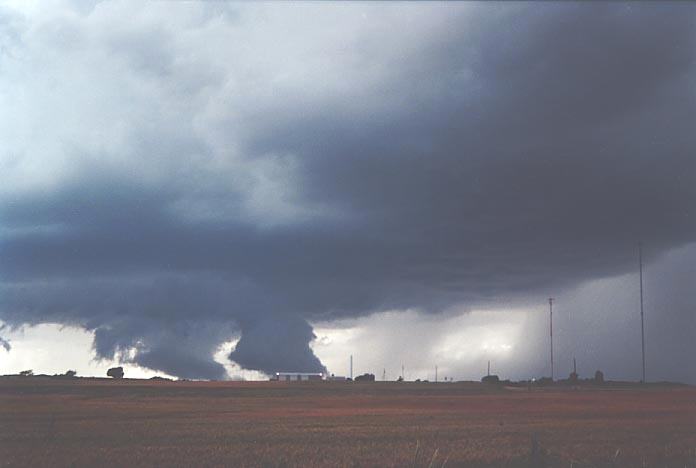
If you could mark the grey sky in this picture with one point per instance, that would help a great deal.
(174, 176)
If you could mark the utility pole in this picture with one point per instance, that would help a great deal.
(351, 367)
(384, 374)
(551, 332)
(402, 372)
(435, 373)
(642, 320)
(573, 338)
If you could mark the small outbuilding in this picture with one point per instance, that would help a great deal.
(599, 377)
(490, 379)
(297, 376)
(337, 378)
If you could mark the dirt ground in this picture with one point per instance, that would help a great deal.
(99, 422)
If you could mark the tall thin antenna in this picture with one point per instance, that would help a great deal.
(402, 372)
(384, 374)
(351, 367)
(642, 320)
(551, 331)
(573, 337)
(489, 368)
(435, 373)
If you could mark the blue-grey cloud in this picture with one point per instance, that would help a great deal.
(175, 181)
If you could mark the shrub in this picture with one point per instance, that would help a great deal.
(115, 372)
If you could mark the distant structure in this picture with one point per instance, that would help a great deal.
(642, 320)
(365, 378)
(351, 367)
(490, 379)
(297, 376)
(115, 372)
(573, 378)
(599, 377)
(551, 331)
(336, 378)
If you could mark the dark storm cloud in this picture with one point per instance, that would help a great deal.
(284, 345)
(508, 151)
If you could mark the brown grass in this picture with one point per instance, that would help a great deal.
(92, 422)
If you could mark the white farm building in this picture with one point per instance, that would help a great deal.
(297, 376)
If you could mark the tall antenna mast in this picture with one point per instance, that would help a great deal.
(642, 321)
(573, 337)
(351, 367)
(551, 331)
(436, 374)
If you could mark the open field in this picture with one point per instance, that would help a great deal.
(144, 423)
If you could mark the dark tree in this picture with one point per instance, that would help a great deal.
(70, 373)
(115, 372)
(365, 378)
(27, 373)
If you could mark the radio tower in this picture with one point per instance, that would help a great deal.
(642, 323)
(551, 332)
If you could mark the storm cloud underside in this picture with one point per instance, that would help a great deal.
(172, 180)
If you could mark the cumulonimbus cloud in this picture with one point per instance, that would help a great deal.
(174, 180)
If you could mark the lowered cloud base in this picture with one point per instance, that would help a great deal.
(174, 181)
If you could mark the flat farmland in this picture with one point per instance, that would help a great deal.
(98, 422)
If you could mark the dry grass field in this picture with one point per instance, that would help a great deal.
(96, 422)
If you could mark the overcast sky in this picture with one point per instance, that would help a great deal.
(218, 189)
